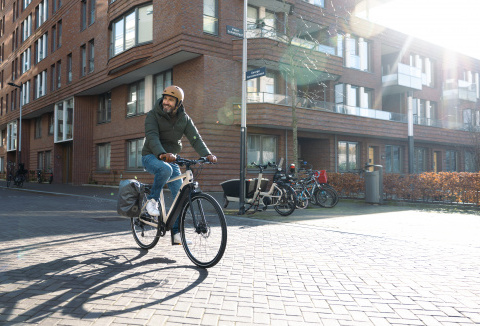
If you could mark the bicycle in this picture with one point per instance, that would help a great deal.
(314, 189)
(281, 195)
(202, 220)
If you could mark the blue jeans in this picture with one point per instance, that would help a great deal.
(163, 172)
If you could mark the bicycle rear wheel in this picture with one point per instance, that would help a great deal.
(203, 230)
(287, 202)
(145, 235)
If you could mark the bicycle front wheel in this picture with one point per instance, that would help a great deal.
(326, 197)
(203, 230)
(287, 202)
(145, 235)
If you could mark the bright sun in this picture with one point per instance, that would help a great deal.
(450, 24)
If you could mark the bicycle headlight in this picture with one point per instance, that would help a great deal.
(195, 185)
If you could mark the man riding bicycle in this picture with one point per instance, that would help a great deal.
(165, 125)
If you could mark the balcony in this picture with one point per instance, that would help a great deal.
(460, 90)
(306, 103)
(405, 78)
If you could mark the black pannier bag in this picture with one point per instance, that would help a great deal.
(129, 196)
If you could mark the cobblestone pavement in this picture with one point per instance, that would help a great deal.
(70, 260)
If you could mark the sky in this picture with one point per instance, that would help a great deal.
(453, 24)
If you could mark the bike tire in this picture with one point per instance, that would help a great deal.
(326, 197)
(205, 244)
(302, 199)
(288, 201)
(146, 236)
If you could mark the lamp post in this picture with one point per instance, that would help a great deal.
(20, 125)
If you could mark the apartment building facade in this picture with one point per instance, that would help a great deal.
(83, 73)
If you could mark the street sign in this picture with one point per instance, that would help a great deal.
(238, 32)
(255, 73)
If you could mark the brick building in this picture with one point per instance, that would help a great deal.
(86, 71)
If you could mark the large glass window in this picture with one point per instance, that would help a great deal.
(104, 108)
(136, 98)
(25, 98)
(64, 120)
(134, 153)
(348, 157)
(419, 160)
(40, 82)
(41, 13)
(357, 52)
(451, 161)
(25, 58)
(41, 48)
(470, 162)
(210, 17)
(393, 159)
(162, 80)
(26, 28)
(126, 29)
(103, 156)
(12, 136)
(261, 149)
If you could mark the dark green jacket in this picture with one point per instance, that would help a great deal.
(163, 134)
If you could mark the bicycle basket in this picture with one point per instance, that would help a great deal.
(129, 194)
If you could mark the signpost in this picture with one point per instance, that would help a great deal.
(238, 32)
(255, 73)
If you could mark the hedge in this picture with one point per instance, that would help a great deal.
(443, 187)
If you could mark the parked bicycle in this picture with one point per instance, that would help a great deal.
(280, 195)
(43, 176)
(314, 189)
(203, 227)
(18, 177)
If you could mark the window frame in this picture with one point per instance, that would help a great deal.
(138, 154)
(138, 102)
(104, 112)
(262, 156)
(106, 150)
(349, 162)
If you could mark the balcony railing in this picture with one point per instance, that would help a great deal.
(303, 102)
(406, 76)
(461, 90)
(280, 37)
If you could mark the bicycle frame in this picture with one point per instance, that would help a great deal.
(186, 189)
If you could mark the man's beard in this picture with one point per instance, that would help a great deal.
(169, 109)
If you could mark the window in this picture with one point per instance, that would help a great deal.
(103, 156)
(54, 39)
(427, 66)
(38, 127)
(91, 56)
(2, 160)
(26, 3)
(125, 30)
(51, 123)
(25, 99)
(357, 52)
(470, 164)
(162, 80)
(83, 15)
(262, 89)
(104, 108)
(40, 84)
(69, 68)
(348, 158)
(40, 160)
(136, 98)
(419, 160)
(92, 11)
(451, 161)
(210, 17)
(12, 136)
(63, 121)
(354, 96)
(83, 60)
(25, 60)
(318, 3)
(59, 74)
(135, 154)
(393, 159)
(41, 48)
(41, 13)
(26, 28)
(261, 149)
(59, 34)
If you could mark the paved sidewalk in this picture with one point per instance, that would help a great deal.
(70, 260)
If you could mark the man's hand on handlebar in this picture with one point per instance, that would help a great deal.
(212, 158)
(168, 157)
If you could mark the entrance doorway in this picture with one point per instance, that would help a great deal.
(67, 154)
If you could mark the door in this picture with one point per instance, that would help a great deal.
(371, 157)
(67, 162)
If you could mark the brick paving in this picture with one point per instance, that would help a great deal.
(70, 260)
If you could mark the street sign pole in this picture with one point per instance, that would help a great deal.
(243, 128)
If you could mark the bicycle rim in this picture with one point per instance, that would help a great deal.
(146, 236)
(203, 230)
(287, 202)
(326, 197)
